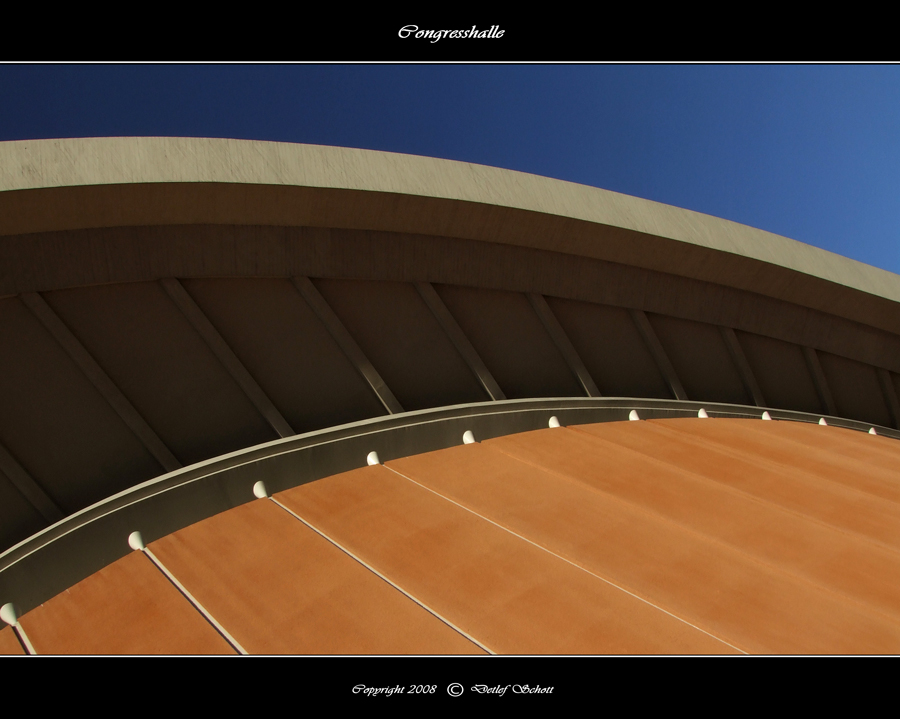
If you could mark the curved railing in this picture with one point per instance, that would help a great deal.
(79, 545)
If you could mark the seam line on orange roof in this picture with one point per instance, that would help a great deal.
(24, 641)
(568, 561)
(864, 605)
(382, 576)
(725, 487)
(834, 459)
(199, 607)
(837, 462)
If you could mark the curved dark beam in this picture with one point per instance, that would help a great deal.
(112, 182)
(68, 259)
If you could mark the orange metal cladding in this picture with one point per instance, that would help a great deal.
(757, 459)
(663, 536)
(278, 587)
(674, 529)
(9, 644)
(128, 607)
(857, 460)
(510, 595)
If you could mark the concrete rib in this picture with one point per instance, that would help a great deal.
(819, 380)
(346, 342)
(460, 341)
(743, 366)
(29, 488)
(890, 395)
(659, 354)
(226, 356)
(563, 343)
(101, 381)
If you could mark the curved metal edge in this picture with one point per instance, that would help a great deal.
(117, 162)
(58, 557)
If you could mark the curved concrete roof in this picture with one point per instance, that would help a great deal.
(171, 305)
(413, 194)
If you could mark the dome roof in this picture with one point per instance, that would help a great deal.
(184, 317)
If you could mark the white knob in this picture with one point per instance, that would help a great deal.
(8, 614)
(136, 541)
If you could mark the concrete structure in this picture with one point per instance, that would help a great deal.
(183, 318)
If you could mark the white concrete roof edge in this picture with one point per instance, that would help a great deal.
(32, 164)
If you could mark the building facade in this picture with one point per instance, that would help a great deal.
(184, 318)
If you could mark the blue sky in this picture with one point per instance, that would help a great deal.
(810, 152)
